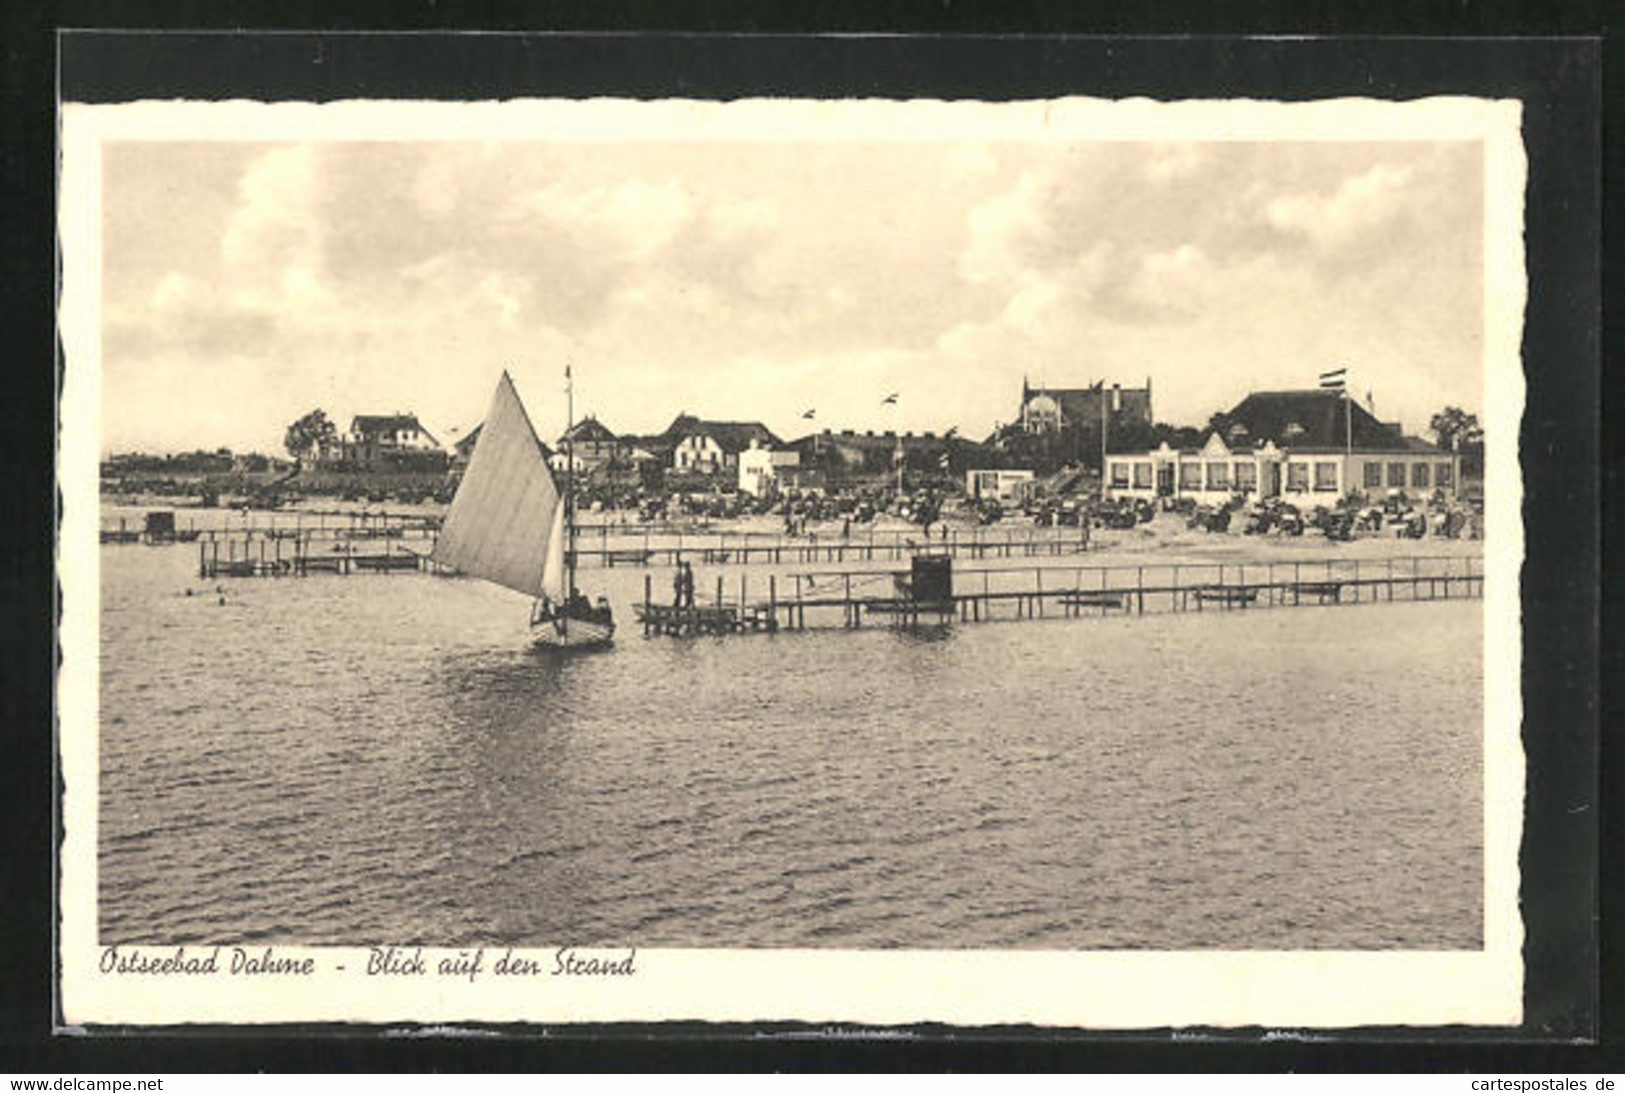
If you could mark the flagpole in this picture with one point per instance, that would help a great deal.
(569, 481)
(1348, 439)
(1339, 378)
(1103, 426)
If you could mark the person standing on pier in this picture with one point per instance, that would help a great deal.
(677, 586)
(688, 585)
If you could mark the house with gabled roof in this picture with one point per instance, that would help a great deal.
(590, 443)
(392, 432)
(1312, 446)
(713, 447)
(391, 439)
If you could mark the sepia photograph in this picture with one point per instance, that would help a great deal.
(873, 561)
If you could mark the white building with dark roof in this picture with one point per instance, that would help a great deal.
(1311, 446)
(713, 447)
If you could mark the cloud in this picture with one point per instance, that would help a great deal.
(275, 219)
(1003, 229)
(631, 222)
(1173, 282)
(756, 281)
(1368, 203)
(1036, 296)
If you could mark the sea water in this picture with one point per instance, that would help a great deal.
(386, 760)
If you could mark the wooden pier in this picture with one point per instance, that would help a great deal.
(312, 527)
(274, 556)
(623, 546)
(648, 549)
(850, 599)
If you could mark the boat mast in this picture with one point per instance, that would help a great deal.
(569, 485)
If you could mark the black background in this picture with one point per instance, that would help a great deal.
(1560, 82)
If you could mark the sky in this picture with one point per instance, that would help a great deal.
(245, 283)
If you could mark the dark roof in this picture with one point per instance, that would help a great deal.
(732, 437)
(367, 424)
(1319, 419)
(1078, 403)
(656, 443)
(679, 427)
(591, 429)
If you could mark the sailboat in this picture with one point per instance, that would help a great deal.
(509, 524)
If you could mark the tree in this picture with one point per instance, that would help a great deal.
(307, 435)
(1456, 430)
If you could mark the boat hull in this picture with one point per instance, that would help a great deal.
(572, 633)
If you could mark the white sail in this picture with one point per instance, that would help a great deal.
(505, 515)
(553, 578)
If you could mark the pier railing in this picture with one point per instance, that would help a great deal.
(852, 598)
(730, 548)
(279, 556)
(210, 525)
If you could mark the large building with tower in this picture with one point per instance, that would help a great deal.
(1058, 409)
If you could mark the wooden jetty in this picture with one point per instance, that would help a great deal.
(846, 599)
(618, 546)
(158, 528)
(649, 549)
(314, 527)
(275, 556)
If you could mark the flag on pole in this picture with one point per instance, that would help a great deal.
(1335, 379)
(889, 400)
